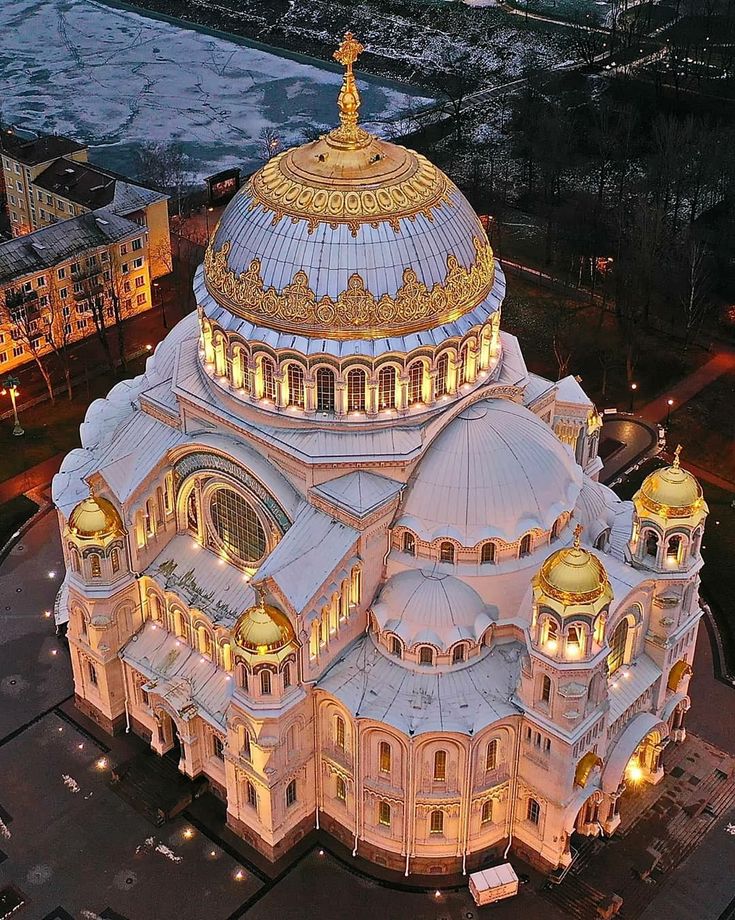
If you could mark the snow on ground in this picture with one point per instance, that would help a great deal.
(115, 78)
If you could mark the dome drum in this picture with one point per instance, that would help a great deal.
(95, 518)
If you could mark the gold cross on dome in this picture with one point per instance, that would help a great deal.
(348, 135)
(349, 51)
(677, 454)
(577, 535)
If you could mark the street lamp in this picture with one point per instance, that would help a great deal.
(206, 218)
(11, 386)
(669, 404)
(633, 388)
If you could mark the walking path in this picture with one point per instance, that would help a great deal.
(686, 389)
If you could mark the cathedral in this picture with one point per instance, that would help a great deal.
(338, 552)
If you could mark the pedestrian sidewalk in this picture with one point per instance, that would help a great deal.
(658, 409)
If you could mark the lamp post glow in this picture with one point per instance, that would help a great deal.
(11, 386)
(669, 404)
(633, 388)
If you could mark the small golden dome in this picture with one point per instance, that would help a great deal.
(95, 517)
(671, 491)
(573, 575)
(263, 628)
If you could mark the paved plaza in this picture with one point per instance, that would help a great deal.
(74, 848)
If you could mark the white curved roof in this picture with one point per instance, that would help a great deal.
(496, 470)
(594, 509)
(422, 606)
(330, 254)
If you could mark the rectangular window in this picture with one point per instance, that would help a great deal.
(81, 324)
(533, 812)
(60, 204)
(123, 249)
(137, 263)
(19, 186)
(104, 256)
(17, 351)
(291, 793)
(140, 299)
(92, 673)
(75, 268)
(63, 294)
(139, 281)
(41, 281)
(384, 814)
(137, 244)
(49, 199)
(127, 287)
(12, 199)
(218, 747)
(3, 357)
(43, 214)
(125, 268)
(61, 273)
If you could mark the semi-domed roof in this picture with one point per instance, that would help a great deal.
(671, 491)
(349, 237)
(573, 576)
(95, 517)
(496, 470)
(431, 607)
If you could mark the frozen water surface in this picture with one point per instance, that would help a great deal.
(115, 78)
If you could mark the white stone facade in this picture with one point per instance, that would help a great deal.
(426, 702)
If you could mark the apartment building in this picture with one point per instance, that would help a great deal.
(54, 279)
(49, 179)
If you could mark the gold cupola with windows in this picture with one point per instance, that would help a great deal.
(263, 628)
(572, 577)
(95, 518)
(671, 492)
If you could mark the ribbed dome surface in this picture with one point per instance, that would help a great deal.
(573, 574)
(672, 487)
(95, 517)
(495, 471)
(263, 629)
(421, 606)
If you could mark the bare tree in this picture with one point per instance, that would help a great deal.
(696, 288)
(269, 143)
(165, 166)
(25, 313)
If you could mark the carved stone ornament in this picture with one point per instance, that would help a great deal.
(356, 312)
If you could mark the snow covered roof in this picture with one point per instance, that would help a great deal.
(568, 390)
(193, 684)
(495, 471)
(309, 552)
(629, 682)
(595, 509)
(202, 580)
(373, 685)
(536, 387)
(359, 492)
(423, 606)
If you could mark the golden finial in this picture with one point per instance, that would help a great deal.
(577, 535)
(348, 100)
(260, 594)
(677, 454)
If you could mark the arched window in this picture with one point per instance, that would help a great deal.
(437, 822)
(295, 386)
(265, 683)
(462, 367)
(426, 655)
(155, 608)
(696, 541)
(525, 547)
(446, 552)
(574, 642)
(356, 391)
(205, 641)
(409, 543)
(246, 749)
(396, 647)
(75, 563)
(384, 814)
(268, 372)
(384, 757)
(92, 673)
(487, 554)
(556, 528)
(600, 629)
(291, 739)
(286, 676)
(95, 566)
(355, 585)
(324, 390)
(442, 373)
(673, 548)
(387, 388)
(651, 544)
(602, 538)
(533, 811)
(341, 789)
(551, 634)
(291, 793)
(415, 383)
(252, 795)
(440, 766)
(618, 642)
(487, 812)
(491, 755)
(339, 732)
(115, 560)
(150, 518)
(458, 654)
(545, 688)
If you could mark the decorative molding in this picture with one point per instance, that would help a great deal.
(356, 312)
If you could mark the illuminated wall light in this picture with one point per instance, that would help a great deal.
(552, 645)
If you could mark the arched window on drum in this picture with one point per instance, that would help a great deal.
(356, 391)
(387, 388)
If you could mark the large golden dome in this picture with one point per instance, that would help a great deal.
(671, 491)
(349, 237)
(95, 517)
(574, 575)
(263, 628)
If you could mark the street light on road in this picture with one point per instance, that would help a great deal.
(206, 218)
(669, 404)
(11, 387)
(633, 388)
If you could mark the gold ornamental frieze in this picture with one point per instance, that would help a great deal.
(356, 312)
(421, 189)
